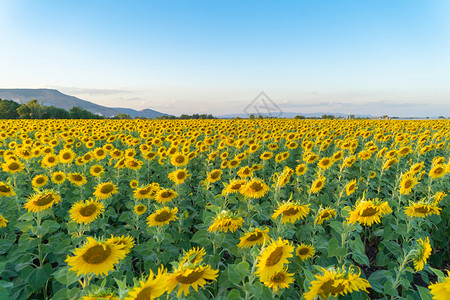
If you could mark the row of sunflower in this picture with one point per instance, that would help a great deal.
(263, 209)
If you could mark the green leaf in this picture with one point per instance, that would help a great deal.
(361, 259)
(39, 276)
(64, 276)
(50, 226)
(201, 237)
(234, 295)
(424, 293)
(334, 249)
(378, 278)
(357, 246)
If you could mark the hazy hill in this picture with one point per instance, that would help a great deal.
(58, 99)
(292, 115)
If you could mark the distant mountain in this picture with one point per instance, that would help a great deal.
(58, 99)
(290, 115)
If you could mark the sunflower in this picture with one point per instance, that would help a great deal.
(421, 209)
(66, 156)
(437, 171)
(367, 211)
(99, 153)
(389, 163)
(441, 290)
(234, 186)
(162, 216)
(304, 251)
(325, 163)
(179, 160)
(266, 155)
(179, 176)
(301, 169)
(291, 212)
(245, 172)
(254, 237)
(58, 177)
(187, 276)
(272, 258)
(126, 242)
(280, 280)
(225, 221)
(105, 190)
(437, 197)
(255, 188)
(77, 179)
(163, 196)
(351, 187)
(140, 209)
(337, 156)
(407, 184)
(349, 161)
(134, 184)
(146, 192)
(214, 176)
(324, 214)
(133, 164)
(318, 184)
(86, 212)
(152, 288)
(95, 170)
(423, 252)
(12, 166)
(3, 221)
(39, 181)
(6, 190)
(335, 281)
(41, 201)
(194, 256)
(372, 174)
(96, 257)
(50, 160)
(234, 163)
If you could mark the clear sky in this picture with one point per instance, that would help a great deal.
(379, 57)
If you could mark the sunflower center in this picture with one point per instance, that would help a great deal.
(181, 175)
(300, 170)
(166, 194)
(100, 152)
(145, 294)
(77, 177)
(140, 208)
(256, 186)
(179, 159)
(351, 187)
(215, 175)
(368, 212)
(303, 251)
(422, 209)
(40, 180)
(97, 170)
(254, 236)
(88, 210)
(51, 159)
(408, 183)
(97, 254)
(191, 278)
(58, 177)
(438, 171)
(44, 200)
(325, 215)
(14, 166)
(291, 211)
(319, 184)
(325, 162)
(236, 186)
(5, 189)
(329, 287)
(163, 216)
(279, 277)
(66, 155)
(106, 189)
(274, 257)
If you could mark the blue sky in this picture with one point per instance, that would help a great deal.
(379, 57)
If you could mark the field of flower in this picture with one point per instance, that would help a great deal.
(224, 209)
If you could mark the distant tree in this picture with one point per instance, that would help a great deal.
(31, 110)
(441, 117)
(8, 109)
(80, 113)
(122, 116)
(52, 112)
(299, 117)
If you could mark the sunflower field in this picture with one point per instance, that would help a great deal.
(224, 209)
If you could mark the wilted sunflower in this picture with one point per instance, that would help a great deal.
(351, 187)
(6, 190)
(163, 196)
(324, 214)
(178, 176)
(422, 209)
(301, 169)
(291, 212)
(367, 211)
(304, 251)
(441, 290)
(280, 280)
(152, 288)
(95, 170)
(3, 221)
(335, 281)
(423, 252)
(39, 181)
(272, 258)
(318, 184)
(225, 221)
(162, 216)
(193, 257)
(140, 209)
(41, 201)
(214, 175)
(126, 242)
(437, 171)
(407, 184)
(234, 186)
(96, 257)
(77, 178)
(255, 188)
(105, 190)
(86, 212)
(254, 237)
(187, 276)
(12, 166)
